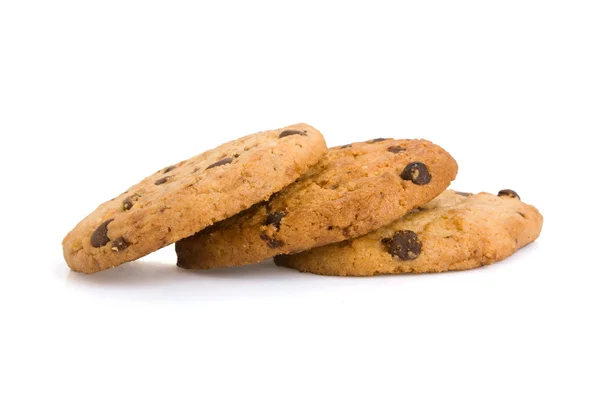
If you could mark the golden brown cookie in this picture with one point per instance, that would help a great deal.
(184, 198)
(455, 231)
(353, 190)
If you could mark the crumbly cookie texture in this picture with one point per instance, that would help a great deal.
(455, 231)
(184, 198)
(353, 190)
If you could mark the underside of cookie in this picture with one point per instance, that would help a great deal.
(353, 190)
(184, 198)
(455, 231)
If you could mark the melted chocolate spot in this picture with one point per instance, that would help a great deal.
(275, 218)
(127, 204)
(509, 193)
(345, 146)
(272, 243)
(417, 173)
(120, 244)
(396, 149)
(376, 140)
(128, 201)
(162, 180)
(100, 236)
(464, 194)
(169, 169)
(404, 244)
(226, 160)
(291, 132)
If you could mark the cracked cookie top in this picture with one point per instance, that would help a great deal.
(354, 189)
(184, 198)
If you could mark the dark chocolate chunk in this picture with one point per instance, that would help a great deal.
(275, 218)
(272, 243)
(120, 244)
(291, 132)
(396, 149)
(345, 146)
(226, 160)
(509, 193)
(127, 204)
(416, 210)
(169, 169)
(162, 180)
(464, 194)
(404, 244)
(417, 173)
(100, 236)
(376, 140)
(128, 201)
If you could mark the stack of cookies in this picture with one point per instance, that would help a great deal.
(375, 207)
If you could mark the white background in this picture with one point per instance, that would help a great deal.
(96, 95)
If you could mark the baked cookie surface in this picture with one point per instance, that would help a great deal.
(455, 231)
(353, 190)
(184, 198)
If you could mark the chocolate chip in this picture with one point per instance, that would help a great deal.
(396, 149)
(128, 201)
(417, 173)
(224, 161)
(127, 204)
(169, 169)
(376, 140)
(100, 236)
(291, 132)
(120, 244)
(521, 214)
(275, 218)
(162, 180)
(404, 244)
(272, 243)
(416, 210)
(464, 194)
(509, 193)
(345, 146)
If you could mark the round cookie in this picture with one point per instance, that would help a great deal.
(455, 231)
(353, 190)
(184, 198)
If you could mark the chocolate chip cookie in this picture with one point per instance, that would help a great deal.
(455, 231)
(353, 190)
(184, 198)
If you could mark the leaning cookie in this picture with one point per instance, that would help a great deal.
(455, 231)
(184, 198)
(353, 190)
